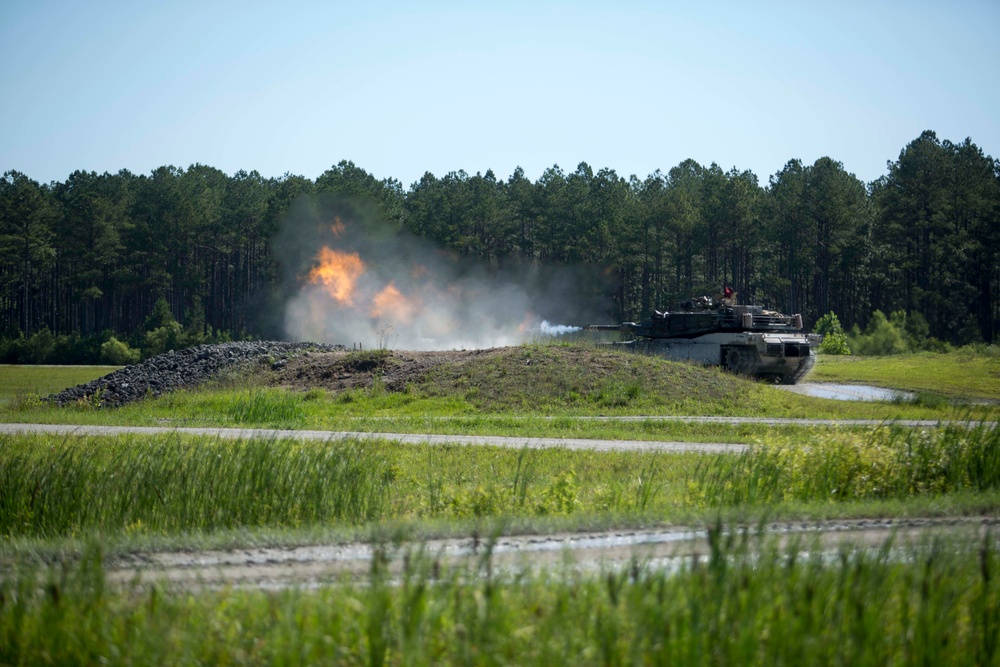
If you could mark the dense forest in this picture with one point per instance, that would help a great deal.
(92, 256)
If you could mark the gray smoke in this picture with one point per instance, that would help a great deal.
(556, 329)
(352, 278)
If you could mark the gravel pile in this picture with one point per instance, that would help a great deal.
(186, 368)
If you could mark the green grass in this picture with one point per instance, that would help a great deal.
(884, 463)
(756, 604)
(63, 487)
(20, 381)
(745, 603)
(266, 407)
(60, 487)
(413, 411)
(536, 391)
(963, 374)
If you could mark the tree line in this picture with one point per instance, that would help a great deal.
(92, 256)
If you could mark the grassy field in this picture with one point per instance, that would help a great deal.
(964, 374)
(742, 604)
(60, 497)
(21, 381)
(61, 487)
(548, 397)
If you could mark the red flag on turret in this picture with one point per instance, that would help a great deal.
(727, 292)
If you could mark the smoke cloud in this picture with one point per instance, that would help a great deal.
(352, 278)
(557, 329)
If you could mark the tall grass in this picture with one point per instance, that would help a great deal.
(52, 488)
(888, 462)
(741, 604)
(261, 406)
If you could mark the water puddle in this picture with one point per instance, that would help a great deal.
(849, 392)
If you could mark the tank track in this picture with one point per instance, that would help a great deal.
(803, 369)
(741, 360)
(800, 372)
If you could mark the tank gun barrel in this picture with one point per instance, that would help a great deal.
(624, 327)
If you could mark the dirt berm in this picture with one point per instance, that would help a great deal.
(525, 377)
(529, 377)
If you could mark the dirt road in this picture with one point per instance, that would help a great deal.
(663, 548)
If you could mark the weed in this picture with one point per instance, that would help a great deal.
(648, 487)
(24, 401)
(561, 496)
(927, 399)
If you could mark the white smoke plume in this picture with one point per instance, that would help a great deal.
(557, 329)
(354, 279)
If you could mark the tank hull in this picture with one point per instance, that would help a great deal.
(781, 357)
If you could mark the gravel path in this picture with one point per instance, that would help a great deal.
(409, 438)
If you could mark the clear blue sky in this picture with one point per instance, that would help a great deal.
(404, 88)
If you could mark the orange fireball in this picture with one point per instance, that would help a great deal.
(390, 303)
(338, 273)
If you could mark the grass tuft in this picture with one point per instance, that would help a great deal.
(266, 406)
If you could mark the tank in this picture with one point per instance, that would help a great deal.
(748, 340)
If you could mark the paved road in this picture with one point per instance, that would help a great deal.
(495, 440)
(789, 421)
(411, 438)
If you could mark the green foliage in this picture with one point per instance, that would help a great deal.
(917, 329)
(881, 337)
(118, 353)
(39, 348)
(161, 315)
(561, 496)
(44, 347)
(163, 339)
(748, 601)
(84, 255)
(835, 344)
(834, 338)
(50, 488)
(889, 463)
(828, 324)
(901, 332)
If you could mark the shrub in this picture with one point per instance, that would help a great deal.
(39, 347)
(162, 339)
(118, 353)
(881, 337)
(834, 338)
